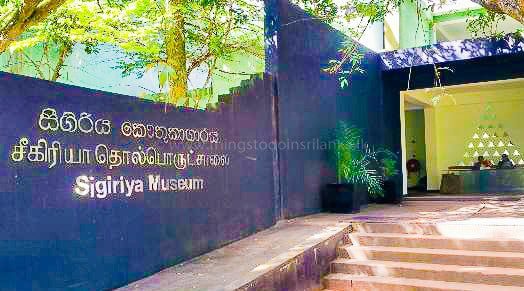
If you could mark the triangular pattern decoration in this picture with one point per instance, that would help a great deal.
(492, 140)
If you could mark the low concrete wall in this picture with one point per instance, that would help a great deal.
(304, 271)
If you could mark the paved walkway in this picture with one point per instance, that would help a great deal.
(421, 211)
(241, 262)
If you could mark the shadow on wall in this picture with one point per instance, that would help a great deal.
(451, 51)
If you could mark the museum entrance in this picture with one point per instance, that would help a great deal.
(463, 139)
(415, 151)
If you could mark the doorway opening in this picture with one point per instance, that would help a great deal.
(446, 129)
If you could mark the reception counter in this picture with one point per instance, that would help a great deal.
(457, 181)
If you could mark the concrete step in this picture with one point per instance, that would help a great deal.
(508, 229)
(433, 256)
(401, 228)
(434, 242)
(341, 282)
(449, 273)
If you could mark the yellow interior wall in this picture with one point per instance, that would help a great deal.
(415, 142)
(455, 125)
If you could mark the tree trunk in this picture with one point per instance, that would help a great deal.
(176, 52)
(512, 8)
(31, 13)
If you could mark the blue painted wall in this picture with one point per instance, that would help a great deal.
(311, 102)
(53, 239)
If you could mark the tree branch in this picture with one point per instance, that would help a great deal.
(31, 13)
(65, 50)
(512, 8)
(35, 65)
(198, 61)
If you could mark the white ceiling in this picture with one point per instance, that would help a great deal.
(456, 29)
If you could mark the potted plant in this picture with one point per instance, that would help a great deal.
(381, 167)
(389, 172)
(340, 197)
(355, 178)
(364, 171)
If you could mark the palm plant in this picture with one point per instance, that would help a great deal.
(389, 165)
(358, 163)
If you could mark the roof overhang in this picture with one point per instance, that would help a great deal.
(451, 51)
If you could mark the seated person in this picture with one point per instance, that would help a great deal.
(482, 164)
(505, 163)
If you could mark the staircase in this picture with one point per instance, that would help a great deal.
(395, 256)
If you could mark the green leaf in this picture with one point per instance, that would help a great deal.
(162, 78)
(344, 83)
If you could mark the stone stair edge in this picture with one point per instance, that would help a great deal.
(419, 283)
(429, 266)
(357, 223)
(429, 236)
(436, 251)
